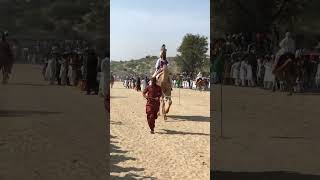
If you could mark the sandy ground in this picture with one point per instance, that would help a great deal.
(49, 132)
(178, 150)
(264, 131)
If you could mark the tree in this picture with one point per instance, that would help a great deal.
(253, 15)
(192, 55)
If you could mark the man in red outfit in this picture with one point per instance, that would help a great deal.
(152, 93)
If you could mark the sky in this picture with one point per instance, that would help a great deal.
(138, 28)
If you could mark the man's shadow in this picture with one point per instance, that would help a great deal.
(172, 132)
(117, 155)
(189, 118)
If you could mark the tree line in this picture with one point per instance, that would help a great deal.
(70, 19)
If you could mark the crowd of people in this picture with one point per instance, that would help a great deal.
(139, 82)
(243, 61)
(30, 51)
(74, 66)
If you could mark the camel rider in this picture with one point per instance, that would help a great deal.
(161, 62)
(287, 45)
(199, 76)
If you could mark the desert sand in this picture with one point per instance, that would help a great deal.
(50, 132)
(178, 150)
(265, 132)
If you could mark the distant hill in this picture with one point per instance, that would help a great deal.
(143, 66)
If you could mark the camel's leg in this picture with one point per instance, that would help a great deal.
(290, 85)
(163, 108)
(168, 109)
(5, 76)
(274, 84)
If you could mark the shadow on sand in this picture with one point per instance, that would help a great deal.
(117, 156)
(118, 97)
(23, 113)
(189, 118)
(27, 84)
(115, 122)
(172, 132)
(275, 175)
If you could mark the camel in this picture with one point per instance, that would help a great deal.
(164, 82)
(201, 84)
(287, 71)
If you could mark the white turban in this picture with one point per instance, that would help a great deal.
(288, 34)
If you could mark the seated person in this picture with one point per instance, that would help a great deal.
(199, 77)
(160, 65)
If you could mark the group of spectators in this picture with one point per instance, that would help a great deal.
(139, 82)
(69, 66)
(243, 60)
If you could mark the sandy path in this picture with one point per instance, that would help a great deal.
(179, 149)
(49, 132)
(266, 131)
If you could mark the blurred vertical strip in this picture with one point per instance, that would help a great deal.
(212, 121)
(107, 82)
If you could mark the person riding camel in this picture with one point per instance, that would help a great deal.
(287, 45)
(199, 77)
(161, 62)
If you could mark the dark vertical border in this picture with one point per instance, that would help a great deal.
(107, 96)
(212, 122)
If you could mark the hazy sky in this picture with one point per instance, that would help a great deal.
(139, 27)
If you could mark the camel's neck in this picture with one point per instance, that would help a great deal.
(165, 73)
(165, 82)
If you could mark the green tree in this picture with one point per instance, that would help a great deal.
(192, 53)
(253, 15)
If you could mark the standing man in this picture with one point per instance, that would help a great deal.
(6, 58)
(91, 75)
(152, 93)
(51, 67)
(64, 68)
(138, 86)
(58, 67)
(105, 75)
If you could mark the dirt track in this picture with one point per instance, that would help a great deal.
(266, 131)
(49, 132)
(178, 150)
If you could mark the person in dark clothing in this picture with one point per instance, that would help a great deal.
(146, 80)
(252, 60)
(138, 88)
(92, 63)
(152, 93)
(58, 68)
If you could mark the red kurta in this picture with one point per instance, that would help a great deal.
(152, 106)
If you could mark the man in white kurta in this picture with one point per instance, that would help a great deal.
(103, 89)
(160, 61)
(235, 72)
(51, 70)
(243, 72)
(63, 69)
